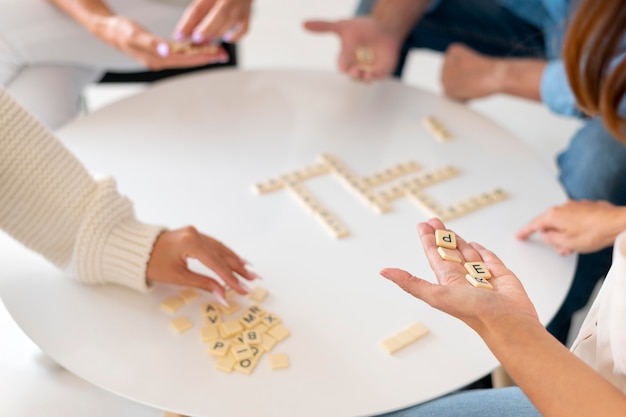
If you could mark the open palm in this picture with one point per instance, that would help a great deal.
(454, 295)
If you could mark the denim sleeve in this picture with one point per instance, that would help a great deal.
(365, 6)
(433, 5)
(556, 92)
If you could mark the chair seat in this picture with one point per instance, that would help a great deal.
(150, 76)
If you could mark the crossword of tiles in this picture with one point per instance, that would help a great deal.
(368, 189)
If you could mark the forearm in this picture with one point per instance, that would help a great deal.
(52, 205)
(91, 14)
(398, 17)
(520, 77)
(554, 379)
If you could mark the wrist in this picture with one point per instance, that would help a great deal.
(397, 18)
(519, 77)
(504, 329)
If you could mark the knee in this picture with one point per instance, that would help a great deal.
(594, 165)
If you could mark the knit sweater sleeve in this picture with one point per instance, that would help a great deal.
(52, 205)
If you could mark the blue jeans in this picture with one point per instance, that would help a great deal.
(501, 402)
(594, 164)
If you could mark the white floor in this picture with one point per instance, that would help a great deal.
(276, 40)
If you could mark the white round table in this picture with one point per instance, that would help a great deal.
(187, 151)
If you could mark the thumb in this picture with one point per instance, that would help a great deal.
(321, 26)
(415, 286)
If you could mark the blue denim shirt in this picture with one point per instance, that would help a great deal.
(551, 16)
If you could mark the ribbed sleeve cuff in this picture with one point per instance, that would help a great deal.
(112, 246)
(127, 252)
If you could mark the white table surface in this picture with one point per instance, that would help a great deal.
(187, 151)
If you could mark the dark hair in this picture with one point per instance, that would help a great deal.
(593, 43)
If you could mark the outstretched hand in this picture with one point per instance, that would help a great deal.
(454, 294)
(168, 262)
(578, 226)
(361, 32)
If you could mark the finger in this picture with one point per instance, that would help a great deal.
(415, 286)
(493, 262)
(540, 222)
(221, 268)
(347, 60)
(321, 26)
(564, 251)
(213, 26)
(193, 15)
(467, 252)
(192, 279)
(224, 252)
(445, 271)
(234, 34)
(555, 238)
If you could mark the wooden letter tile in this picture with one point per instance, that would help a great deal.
(225, 364)
(172, 304)
(279, 361)
(477, 269)
(219, 348)
(445, 239)
(189, 295)
(450, 254)
(181, 324)
(478, 282)
(279, 332)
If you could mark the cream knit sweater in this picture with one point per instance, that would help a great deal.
(52, 205)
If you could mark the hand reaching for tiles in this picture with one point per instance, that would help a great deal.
(168, 262)
(578, 226)
(359, 33)
(454, 295)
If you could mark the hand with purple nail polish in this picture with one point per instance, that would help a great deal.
(227, 20)
(136, 41)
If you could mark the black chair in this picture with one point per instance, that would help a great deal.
(150, 76)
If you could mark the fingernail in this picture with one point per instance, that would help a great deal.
(228, 36)
(163, 49)
(197, 37)
(253, 274)
(180, 37)
(243, 284)
(221, 299)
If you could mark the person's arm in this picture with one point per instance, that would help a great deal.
(398, 17)
(467, 74)
(94, 15)
(557, 382)
(133, 39)
(50, 203)
(381, 33)
(578, 226)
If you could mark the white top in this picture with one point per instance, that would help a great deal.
(50, 203)
(601, 342)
